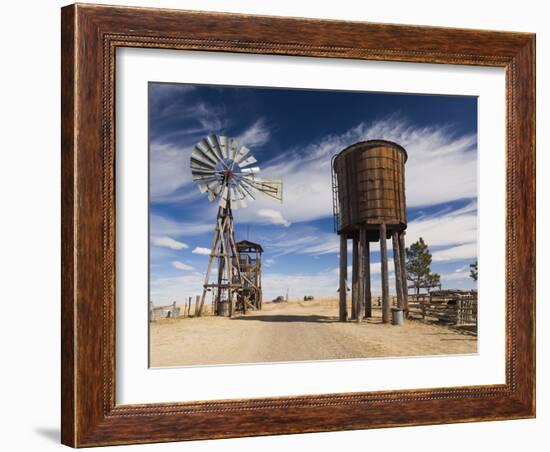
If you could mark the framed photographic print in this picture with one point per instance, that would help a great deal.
(282, 225)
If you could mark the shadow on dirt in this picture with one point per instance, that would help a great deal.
(286, 318)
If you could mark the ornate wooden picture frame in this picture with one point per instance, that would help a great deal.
(90, 37)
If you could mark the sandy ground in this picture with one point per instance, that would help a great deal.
(295, 331)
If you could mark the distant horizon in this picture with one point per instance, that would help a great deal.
(293, 133)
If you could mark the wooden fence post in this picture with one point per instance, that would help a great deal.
(197, 303)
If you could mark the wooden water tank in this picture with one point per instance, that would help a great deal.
(370, 177)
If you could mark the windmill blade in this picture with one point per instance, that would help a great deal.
(247, 187)
(204, 170)
(204, 178)
(213, 195)
(195, 164)
(243, 195)
(248, 161)
(253, 170)
(201, 172)
(222, 142)
(204, 156)
(272, 187)
(240, 154)
(199, 157)
(213, 141)
(233, 148)
(204, 148)
(213, 187)
(207, 143)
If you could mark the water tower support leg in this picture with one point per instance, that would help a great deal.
(367, 299)
(355, 279)
(343, 277)
(386, 308)
(362, 270)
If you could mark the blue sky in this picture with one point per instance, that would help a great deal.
(293, 134)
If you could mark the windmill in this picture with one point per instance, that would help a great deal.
(221, 169)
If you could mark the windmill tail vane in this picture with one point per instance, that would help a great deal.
(222, 170)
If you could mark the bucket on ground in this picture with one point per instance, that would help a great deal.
(397, 316)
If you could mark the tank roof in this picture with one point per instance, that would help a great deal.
(372, 144)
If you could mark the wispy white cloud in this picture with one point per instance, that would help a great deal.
(302, 240)
(446, 228)
(182, 266)
(454, 233)
(169, 170)
(167, 242)
(256, 135)
(273, 217)
(456, 253)
(203, 117)
(457, 275)
(162, 226)
(161, 92)
(201, 250)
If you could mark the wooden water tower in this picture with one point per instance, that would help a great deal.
(369, 206)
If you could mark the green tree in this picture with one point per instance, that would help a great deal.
(473, 271)
(419, 260)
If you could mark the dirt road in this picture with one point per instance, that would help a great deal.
(295, 331)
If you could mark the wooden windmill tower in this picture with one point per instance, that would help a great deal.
(222, 170)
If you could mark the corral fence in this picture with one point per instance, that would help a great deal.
(453, 307)
(163, 312)
(171, 311)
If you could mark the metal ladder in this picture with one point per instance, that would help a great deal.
(335, 204)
